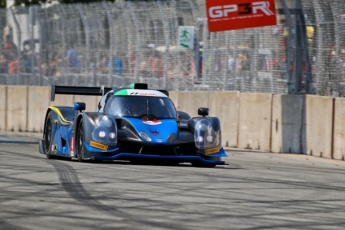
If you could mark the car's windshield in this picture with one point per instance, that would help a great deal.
(139, 106)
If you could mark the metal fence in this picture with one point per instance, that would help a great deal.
(298, 53)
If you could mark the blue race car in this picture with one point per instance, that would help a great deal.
(134, 124)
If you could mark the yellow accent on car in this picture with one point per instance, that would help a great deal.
(212, 150)
(56, 110)
(98, 145)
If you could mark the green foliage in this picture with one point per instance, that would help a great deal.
(30, 2)
(81, 1)
(41, 2)
(2, 3)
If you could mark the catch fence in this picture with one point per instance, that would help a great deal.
(301, 54)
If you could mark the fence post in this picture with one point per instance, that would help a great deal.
(135, 20)
(303, 44)
(167, 43)
(111, 33)
(87, 34)
(289, 53)
(19, 39)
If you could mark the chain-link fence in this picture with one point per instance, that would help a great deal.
(114, 44)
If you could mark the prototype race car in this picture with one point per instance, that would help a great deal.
(134, 124)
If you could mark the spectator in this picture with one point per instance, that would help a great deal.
(272, 63)
(8, 46)
(282, 66)
(103, 66)
(44, 68)
(116, 65)
(3, 64)
(144, 68)
(231, 64)
(157, 68)
(131, 56)
(26, 64)
(13, 65)
(245, 63)
(219, 64)
(172, 71)
(72, 60)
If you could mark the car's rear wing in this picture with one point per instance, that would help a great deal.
(78, 90)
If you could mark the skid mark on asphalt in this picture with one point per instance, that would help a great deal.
(71, 184)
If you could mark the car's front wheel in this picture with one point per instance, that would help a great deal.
(80, 141)
(48, 136)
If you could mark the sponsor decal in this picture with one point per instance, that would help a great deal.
(143, 93)
(155, 122)
(212, 150)
(98, 145)
(135, 92)
(154, 132)
(239, 14)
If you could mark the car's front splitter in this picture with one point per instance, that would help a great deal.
(135, 156)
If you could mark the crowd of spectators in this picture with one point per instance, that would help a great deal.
(147, 63)
(27, 61)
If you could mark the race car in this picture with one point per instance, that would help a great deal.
(134, 124)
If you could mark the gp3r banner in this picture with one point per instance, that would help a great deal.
(239, 14)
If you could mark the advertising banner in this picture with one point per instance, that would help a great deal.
(240, 14)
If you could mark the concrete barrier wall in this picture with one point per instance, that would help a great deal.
(17, 108)
(287, 124)
(254, 130)
(62, 100)
(174, 97)
(38, 102)
(339, 129)
(312, 125)
(225, 106)
(318, 126)
(189, 102)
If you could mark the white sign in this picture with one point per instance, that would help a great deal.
(186, 37)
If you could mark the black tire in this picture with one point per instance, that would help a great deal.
(80, 141)
(48, 134)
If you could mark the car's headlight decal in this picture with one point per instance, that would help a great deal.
(205, 136)
(145, 136)
(171, 138)
(105, 132)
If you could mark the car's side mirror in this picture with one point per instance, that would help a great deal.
(80, 106)
(203, 111)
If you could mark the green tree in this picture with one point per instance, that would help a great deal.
(41, 2)
(2, 3)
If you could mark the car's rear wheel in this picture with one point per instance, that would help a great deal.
(48, 136)
(80, 141)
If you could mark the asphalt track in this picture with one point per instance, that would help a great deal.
(255, 190)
